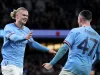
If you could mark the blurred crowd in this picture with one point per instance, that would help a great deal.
(50, 14)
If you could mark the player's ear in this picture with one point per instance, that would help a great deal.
(81, 19)
(90, 20)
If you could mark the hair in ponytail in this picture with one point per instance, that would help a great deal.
(13, 13)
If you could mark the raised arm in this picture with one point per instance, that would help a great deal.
(40, 47)
(37, 46)
(61, 52)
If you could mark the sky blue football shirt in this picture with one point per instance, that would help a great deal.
(13, 48)
(83, 42)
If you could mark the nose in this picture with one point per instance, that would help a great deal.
(26, 16)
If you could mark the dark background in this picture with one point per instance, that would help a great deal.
(49, 15)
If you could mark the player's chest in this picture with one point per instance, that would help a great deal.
(21, 32)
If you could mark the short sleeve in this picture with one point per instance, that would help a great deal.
(69, 40)
(8, 31)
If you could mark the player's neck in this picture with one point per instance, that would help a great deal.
(19, 25)
(86, 24)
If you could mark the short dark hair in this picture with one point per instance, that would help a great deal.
(86, 14)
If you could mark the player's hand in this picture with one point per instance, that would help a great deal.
(47, 66)
(52, 51)
(92, 73)
(29, 35)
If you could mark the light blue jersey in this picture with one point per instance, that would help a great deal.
(84, 42)
(14, 45)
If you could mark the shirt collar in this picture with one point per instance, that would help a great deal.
(18, 27)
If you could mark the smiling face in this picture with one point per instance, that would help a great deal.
(22, 16)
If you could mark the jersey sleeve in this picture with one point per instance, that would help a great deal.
(11, 35)
(69, 40)
(61, 52)
(98, 52)
(38, 46)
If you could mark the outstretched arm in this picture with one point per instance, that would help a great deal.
(38, 46)
(61, 52)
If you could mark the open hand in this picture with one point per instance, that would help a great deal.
(52, 51)
(29, 35)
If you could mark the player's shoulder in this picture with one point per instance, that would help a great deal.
(99, 37)
(9, 25)
(26, 28)
(96, 32)
(75, 30)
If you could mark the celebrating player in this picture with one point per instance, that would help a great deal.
(83, 43)
(16, 36)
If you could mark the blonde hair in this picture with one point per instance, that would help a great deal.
(13, 13)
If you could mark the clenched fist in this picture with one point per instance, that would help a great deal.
(47, 66)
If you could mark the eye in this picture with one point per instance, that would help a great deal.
(25, 15)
